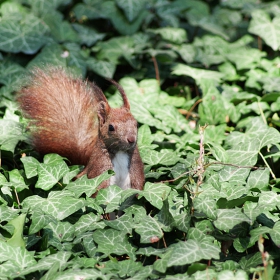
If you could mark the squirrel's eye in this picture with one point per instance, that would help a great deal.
(111, 127)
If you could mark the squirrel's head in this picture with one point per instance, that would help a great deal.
(117, 126)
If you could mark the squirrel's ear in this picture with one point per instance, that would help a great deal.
(103, 112)
(122, 92)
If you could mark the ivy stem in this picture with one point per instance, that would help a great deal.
(271, 172)
(192, 108)
(156, 68)
(200, 161)
(262, 114)
(17, 197)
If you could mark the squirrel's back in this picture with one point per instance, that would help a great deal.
(62, 113)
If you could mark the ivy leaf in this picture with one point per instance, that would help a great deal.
(124, 268)
(212, 109)
(88, 222)
(124, 224)
(163, 158)
(39, 220)
(170, 117)
(258, 179)
(109, 197)
(87, 186)
(192, 251)
(103, 68)
(83, 11)
(244, 58)
(228, 218)
(109, 9)
(60, 259)
(112, 50)
(62, 231)
(30, 166)
(113, 241)
(87, 35)
(17, 239)
(10, 134)
(197, 74)
(11, 73)
(268, 200)
(60, 29)
(17, 181)
(27, 36)
(58, 204)
(262, 26)
(17, 256)
(230, 275)
(207, 206)
(186, 51)
(149, 230)
(174, 35)
(131, 8)
(155, 193)
(50, 174)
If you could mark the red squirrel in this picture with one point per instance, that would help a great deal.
(72, 118)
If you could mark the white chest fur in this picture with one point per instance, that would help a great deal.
(120, 164)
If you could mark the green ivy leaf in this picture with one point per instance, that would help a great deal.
(30, 166)
(149, 229)
(17, 181)
(10, 134)
(49, 174)
(109, 197)
(192, 251)
(110, 10)
(207, 206)
(228, 218)
(87, 35)
(103, 68)
(131, 8)
(87, 186)
(58, 204)
(124, 223)
(197, 74)
(39, 220)
(163, 158)
(62, 231)
(27, 36)
(262, 26)
(17, 239)
(113, 241)
(18, 257)
(155, 193)
(60, 259)
(88, 222)
(174, 35)
(52, 54)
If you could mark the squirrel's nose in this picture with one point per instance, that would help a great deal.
(131, 139)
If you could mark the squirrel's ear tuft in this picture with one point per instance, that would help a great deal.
(102, 112)
(123, 94)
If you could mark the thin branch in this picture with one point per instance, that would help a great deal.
(156, 69)
(267, 165)
(259, 43)
(192, 108)
(17, 197)
(262, 114)
(200, 161)
(235, 165)
(164, 242)
(175, 179)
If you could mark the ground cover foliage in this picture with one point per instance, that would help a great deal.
(203, 81)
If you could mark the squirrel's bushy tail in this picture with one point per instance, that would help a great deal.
(62, 113)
